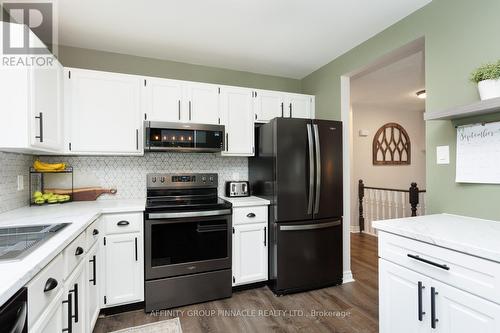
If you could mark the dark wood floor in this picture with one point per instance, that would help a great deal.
(350, 308)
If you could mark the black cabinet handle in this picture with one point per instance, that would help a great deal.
(189, 110)
(50, 285)
(70, 315)
(95, 232)
(282, 110)
(79, 251)
(93, 280)
(251, 215)
(123, 223)
(265, 236)
(420, 312)
(40, 118)
(227, 141)
(75, 291)
(136, 249)
(290, 110)
(434, 320)
(179, 107)
(435, 264)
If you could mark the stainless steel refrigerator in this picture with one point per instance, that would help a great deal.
(298, 167)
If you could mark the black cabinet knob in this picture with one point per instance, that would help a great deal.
(95, 232)
(50, 284)
(79, 251)
(250, 215)
(123, 223)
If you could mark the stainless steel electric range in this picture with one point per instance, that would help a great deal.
(188, 233)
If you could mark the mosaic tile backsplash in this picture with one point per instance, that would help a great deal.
(12, 165)
(128, 174)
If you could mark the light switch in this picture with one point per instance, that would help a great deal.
(20, 183)
(443, 154)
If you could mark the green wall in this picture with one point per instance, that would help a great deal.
(459, 36)
(115, 62)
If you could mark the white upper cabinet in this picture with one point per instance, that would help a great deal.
(299, 106)
(180, 101)
(238, 118)
(269, 105)
(163, 99)
(104, 112)
(203, 103)
(31, 113)
(273, 104)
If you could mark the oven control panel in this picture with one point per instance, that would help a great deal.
(170, 180)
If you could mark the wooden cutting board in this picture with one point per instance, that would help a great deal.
(84, 193)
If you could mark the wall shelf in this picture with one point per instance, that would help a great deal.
(474, 109)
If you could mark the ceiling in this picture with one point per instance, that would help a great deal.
(289, 38)
(392, 86)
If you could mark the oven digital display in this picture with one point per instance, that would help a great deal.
(183, 179)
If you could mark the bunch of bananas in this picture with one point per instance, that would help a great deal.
(48, 167)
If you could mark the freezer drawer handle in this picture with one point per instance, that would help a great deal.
(309, 226)
(416, 257)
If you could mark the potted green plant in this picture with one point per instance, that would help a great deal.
(487, 78)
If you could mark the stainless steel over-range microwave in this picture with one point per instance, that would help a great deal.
(183, 137)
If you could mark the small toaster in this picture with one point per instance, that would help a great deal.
(237, 189)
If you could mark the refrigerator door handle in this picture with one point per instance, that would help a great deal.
(310, 226)
(311, 169)
(318, 169)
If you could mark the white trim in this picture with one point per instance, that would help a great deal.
(345, 105)
(347, 277)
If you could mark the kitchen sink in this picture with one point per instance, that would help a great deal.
(18, 241)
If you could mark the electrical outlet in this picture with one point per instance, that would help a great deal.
(20, 183)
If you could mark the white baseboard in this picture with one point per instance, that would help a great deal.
(355, 228)
(348, 278)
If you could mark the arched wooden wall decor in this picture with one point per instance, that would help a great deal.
(391, 145)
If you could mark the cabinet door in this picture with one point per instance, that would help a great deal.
(104, 112)
(76, 288)
(163, 99)
(460, 312)
(52, 319)
(250, 253)
(399, 295)
(46, 105)
(237, 116)
(93, 299)
(269, 105)
(124, 277)
(202, 103)
(299, 106)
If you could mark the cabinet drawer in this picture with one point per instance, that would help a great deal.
(93, 232)
(472, 274)
(74, 253)
(255, 214)
(122, 223)
(44, 287)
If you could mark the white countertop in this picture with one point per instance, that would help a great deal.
(247, 201)
(15, 274)
(477, 237)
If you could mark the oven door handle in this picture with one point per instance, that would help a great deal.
(157, 216)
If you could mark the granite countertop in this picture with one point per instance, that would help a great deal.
(473, 236)
(247, 201)
(15, 274)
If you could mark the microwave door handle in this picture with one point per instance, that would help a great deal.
(311, 169)
(318, 169)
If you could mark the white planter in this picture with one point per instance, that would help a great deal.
(489, 89)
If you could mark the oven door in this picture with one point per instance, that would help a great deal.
(187, 243)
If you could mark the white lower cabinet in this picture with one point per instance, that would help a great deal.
(425, 288)
(75, 289)
(250, 239)
(93, 299)
(123, 259)
(51, 320)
